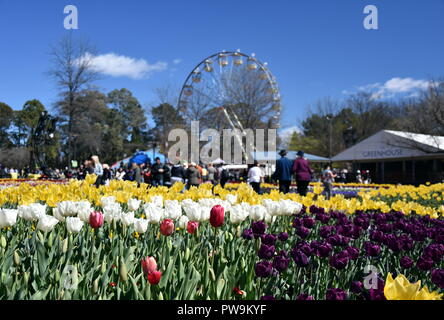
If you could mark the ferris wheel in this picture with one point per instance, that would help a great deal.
(231, 89)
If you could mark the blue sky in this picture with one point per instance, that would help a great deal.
(315, 48)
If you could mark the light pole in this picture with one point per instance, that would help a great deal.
(330, 119)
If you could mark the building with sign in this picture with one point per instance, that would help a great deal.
(398, 157)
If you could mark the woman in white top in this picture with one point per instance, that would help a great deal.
(255, 177)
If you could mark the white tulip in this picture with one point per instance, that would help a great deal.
(74, 224)
(231, 198)
(32, 212)
(46, 223)
(8, 217)
(112, 212)
(237, 214)
(67, 208)
(157, 201)
(153, 213)
(133, 204)
(107, 200)
(257, 212)
(140, 225)
(56, 213)
(173, 209)
(269, 218)
(128, 219)
(84, 210)
(183, 222)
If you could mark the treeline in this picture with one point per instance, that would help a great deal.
(334, 125)
(113, 125)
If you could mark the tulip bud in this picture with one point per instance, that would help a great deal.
(65, 246)
(187, 253)
(160, 296)
(50, 240)
(103, 269)
(57, 275)
(123, 271)
(238, 231)
(41, 238)
(96, 285)
(3, 241)
(26, 278)
(16, 258)
(213, 276)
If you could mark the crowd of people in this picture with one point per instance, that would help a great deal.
(192, 174)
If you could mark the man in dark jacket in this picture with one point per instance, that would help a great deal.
(193, 175)
(303, 172)
(283, 172)
(157, 173)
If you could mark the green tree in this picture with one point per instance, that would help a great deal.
(166, 118)
(6, 116)
(134, 128)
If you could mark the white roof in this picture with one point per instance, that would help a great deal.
(388, 144)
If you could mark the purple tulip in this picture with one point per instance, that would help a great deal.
(353, 253)
(247, 234)
(371, 249)
(335, 294)
(300, 258)
(258, 228)
(268, 297)
(424, 263)
(263, 269)
(283, 236)
(406, 262)
(304, 297)
(356, 287)
(308, 222)
(269, 239)
(338, 261)
(438, 277)
(302, 232)
(266, 252)
(280, 263)
(324, 250)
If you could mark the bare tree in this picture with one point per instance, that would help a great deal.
(72, 71)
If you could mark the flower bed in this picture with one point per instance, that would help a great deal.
(76, 241)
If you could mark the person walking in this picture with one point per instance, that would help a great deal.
(283, 172)
(327, 179)
(137, 174)
(255, 176)
(303, 172)
(212, 174)
(177, 173)
(98, 170)
(157, 173)
(193, 175)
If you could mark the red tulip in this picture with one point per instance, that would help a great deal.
(96, 219)
(149, 265)
(192, 226)
(217, 216)
(167, 227)
(154, 277)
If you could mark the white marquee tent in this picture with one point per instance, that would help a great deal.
(388, 144)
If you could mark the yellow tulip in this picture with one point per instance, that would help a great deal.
(400, 288)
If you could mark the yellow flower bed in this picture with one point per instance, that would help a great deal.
(424, 200)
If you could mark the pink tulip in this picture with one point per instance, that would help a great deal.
(167, 227)
(96, 219)
(217, 216)
(149, 265)
(192, 226)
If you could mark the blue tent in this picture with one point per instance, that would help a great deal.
(140, 157)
